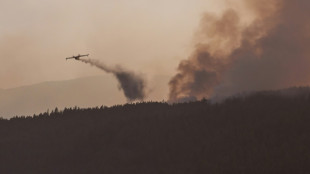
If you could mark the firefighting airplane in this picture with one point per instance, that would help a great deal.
(77, 57)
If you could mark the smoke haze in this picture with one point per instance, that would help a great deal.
(36, 36)
(232, 55)
(133, 85)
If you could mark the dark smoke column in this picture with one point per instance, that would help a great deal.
(234, 54)
(133, 85)
(202, 71)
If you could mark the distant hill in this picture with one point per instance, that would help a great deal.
(82, 92)
(293, 92)
(264, 132)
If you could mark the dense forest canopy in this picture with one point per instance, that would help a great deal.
(262, 132)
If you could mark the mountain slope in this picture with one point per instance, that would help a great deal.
(83, 92)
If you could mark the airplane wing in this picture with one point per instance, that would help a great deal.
(77, 57)
(84, 55)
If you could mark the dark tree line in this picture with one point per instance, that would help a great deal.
(265, 132)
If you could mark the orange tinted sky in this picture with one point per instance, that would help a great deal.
(143, 35)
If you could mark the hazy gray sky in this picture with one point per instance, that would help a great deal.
(146, 36)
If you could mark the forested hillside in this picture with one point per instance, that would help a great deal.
(265, 132)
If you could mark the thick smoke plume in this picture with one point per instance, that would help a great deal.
(133, 85)
(233, 55)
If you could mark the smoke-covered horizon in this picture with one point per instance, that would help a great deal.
(231, 56)
(132, 84)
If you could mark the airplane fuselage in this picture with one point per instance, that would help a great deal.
(77, 57)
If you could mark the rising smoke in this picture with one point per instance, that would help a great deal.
(231, 56)
(133, 85)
